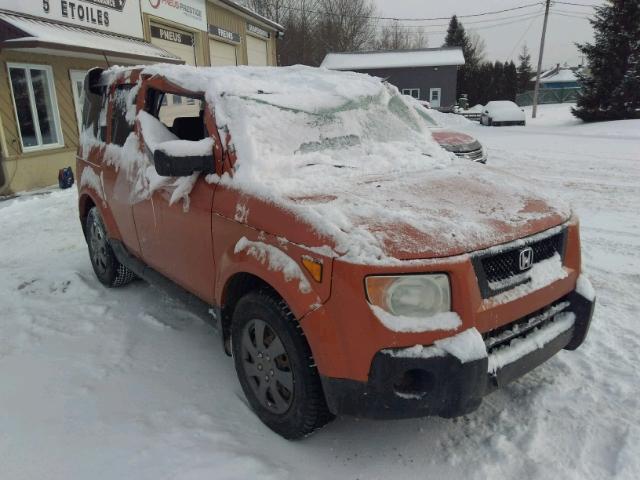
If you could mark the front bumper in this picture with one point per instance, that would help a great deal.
(404, 387)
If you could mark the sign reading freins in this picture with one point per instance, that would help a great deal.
(115, 16)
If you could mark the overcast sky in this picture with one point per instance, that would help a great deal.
(519, 27)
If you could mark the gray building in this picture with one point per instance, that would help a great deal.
(428, 74)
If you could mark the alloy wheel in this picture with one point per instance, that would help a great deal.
(266, 364)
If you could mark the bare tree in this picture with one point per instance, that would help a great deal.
(478, 47)
(315, 27)
(345, 25)
(396, 37)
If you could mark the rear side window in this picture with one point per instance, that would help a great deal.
(120, 126)
(94, 113)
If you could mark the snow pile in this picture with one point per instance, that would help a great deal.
(466, 346)
(399, 323)
(417, 351)
(519, 347)
(584, 288)
(276, 260)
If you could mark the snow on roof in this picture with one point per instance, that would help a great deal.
(45, 34)
(427, 57)
(564, 75)
(254, 14)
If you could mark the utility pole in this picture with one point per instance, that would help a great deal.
(537, 87)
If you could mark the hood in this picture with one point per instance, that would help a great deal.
(427, 215)
(453, 141)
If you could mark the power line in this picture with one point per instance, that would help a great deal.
(575, 4)
(515, 47)
(526, 16)
(579, 17)
(484, 27)
(399, 19)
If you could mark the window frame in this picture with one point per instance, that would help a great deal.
(78, 100)
(34, 114)
(409, 91)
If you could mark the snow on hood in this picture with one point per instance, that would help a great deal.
(351, 157)
(451, 138)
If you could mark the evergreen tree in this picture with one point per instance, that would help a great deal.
(510, 81)
(525, 72)
(611, 84)
(457, 37)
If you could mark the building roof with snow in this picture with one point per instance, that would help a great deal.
(424, 57)
(563, 75)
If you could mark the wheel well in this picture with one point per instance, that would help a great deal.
(86, 204)
(237, 287)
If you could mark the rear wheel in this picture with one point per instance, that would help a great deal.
(106, 266)
(489, 121)
(275, 366)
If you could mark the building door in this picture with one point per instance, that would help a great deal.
(77, 88)
(435, 95)
(181, 44)
(222, 54)
(257, 52)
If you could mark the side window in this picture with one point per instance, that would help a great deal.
(183, 116)
(120, 126)
(178, 106)
(94, 113)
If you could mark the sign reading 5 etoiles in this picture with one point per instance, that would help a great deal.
(115, 16)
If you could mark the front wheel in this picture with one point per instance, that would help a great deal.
(275, 367)
(106, 266)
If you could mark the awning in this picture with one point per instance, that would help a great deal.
(41, 36)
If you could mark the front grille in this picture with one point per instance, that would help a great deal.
(498, 270)
(472, 155)
(504, 335)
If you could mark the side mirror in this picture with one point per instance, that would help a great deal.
(182, 166)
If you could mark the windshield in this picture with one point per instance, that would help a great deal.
(367, 134)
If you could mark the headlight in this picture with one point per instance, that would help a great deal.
(410, 295)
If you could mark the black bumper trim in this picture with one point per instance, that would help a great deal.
(448, 388)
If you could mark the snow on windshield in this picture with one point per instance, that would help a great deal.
(291, 124)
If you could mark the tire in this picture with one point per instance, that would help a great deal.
(489, 122)
(277, 372)
(523, 123)
(106, 266)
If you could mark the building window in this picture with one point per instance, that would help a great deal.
(35, 104)
(412, 92)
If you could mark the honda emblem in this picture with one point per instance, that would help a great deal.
(526, 258)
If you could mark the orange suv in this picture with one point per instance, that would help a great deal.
(351, 265)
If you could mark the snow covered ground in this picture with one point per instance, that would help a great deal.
(112, 384)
